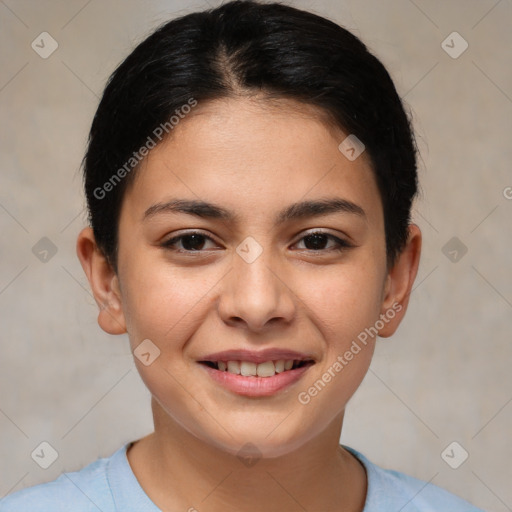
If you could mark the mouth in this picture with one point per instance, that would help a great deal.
(265, 369)
(256, 374)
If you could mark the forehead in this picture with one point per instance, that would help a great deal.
(253, 156)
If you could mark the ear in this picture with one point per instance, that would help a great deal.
(399, 283)
(103, 281)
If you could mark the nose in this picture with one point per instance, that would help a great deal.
(256, 295)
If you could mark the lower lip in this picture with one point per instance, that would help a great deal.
(256, 386)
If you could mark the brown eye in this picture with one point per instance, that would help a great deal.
(191, 242)
(316, 242)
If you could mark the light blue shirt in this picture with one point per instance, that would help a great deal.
(109, 485)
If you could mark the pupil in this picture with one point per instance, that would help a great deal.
(195, 245)
(317, 241)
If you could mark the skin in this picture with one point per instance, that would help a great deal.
(254, 158)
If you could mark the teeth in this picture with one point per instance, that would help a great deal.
(248, 369)
(279, 366)
(233, 367)
(266, 369)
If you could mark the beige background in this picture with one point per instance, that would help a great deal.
(445, 376)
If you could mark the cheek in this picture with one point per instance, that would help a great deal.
(159, 300)
(345, 303)
(345, 300)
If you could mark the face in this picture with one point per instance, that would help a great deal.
(255, 271)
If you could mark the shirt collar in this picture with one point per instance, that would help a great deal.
(129, 495)
(126, 490)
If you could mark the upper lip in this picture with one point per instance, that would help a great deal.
(261, 356)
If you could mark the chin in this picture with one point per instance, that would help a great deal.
(258, 444)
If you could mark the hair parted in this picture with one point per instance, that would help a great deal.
(245, 47)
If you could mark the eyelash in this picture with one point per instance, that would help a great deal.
(342, 244)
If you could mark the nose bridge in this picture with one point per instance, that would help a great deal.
(254, 293)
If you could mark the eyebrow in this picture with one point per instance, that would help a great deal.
(295, 211)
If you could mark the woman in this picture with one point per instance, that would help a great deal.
(249, 177)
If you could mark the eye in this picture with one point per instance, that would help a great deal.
(317, 240)
(191, 242)
(195, 242)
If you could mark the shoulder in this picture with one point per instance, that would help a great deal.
(392, 490)
(85, 490)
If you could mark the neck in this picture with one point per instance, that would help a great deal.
(178, 471)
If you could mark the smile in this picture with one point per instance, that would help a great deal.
(250, 369)
(256, 379)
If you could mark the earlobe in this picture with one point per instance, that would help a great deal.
(103, 281)
(399, 282)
